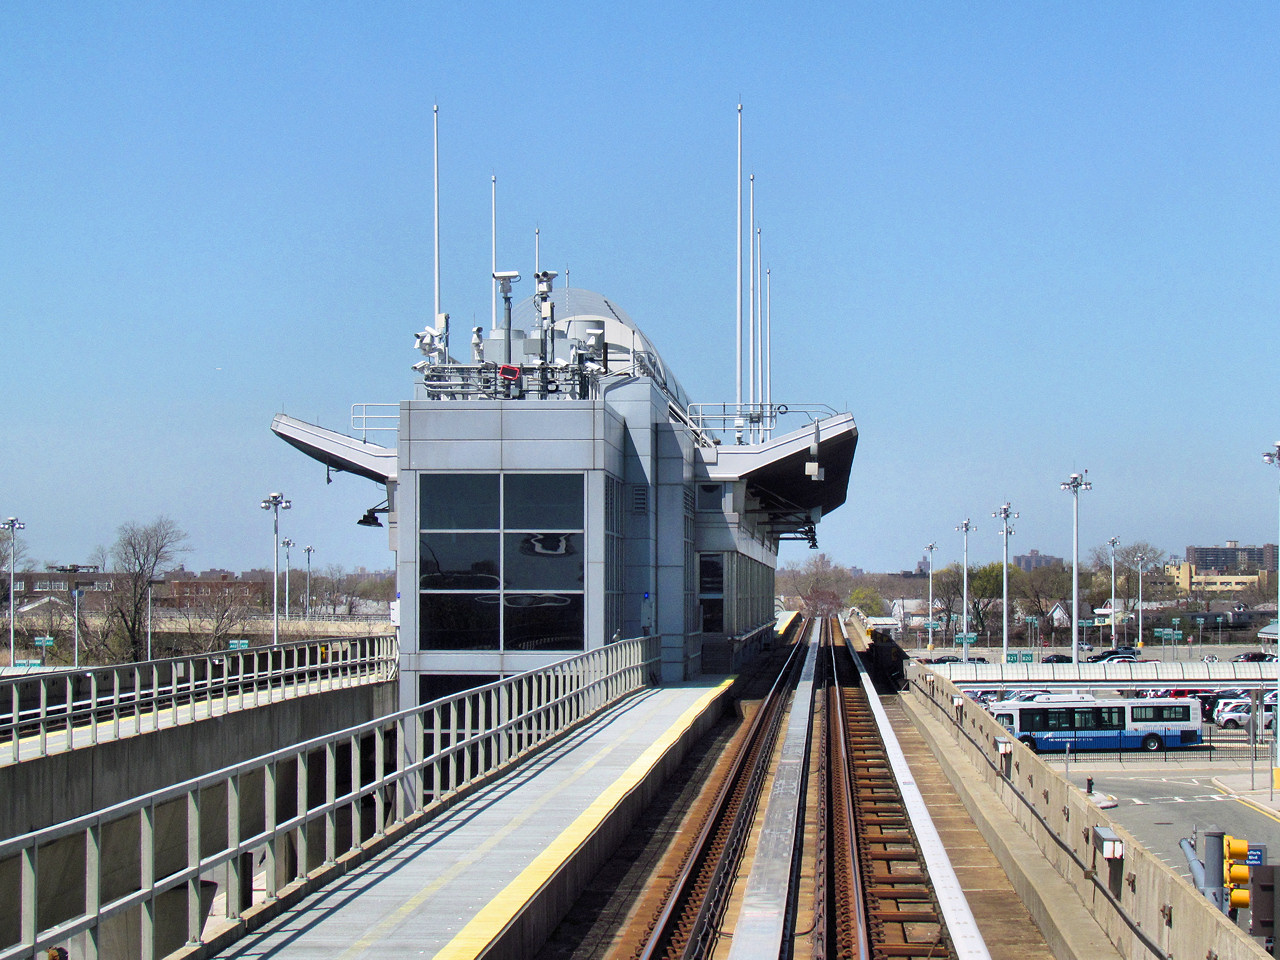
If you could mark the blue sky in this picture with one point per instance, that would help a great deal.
(1015, 240)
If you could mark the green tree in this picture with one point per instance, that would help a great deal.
(1039, 590)
(986, 586)
(867, 600)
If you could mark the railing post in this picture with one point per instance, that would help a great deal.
(300, 811)
(235, 903)
(330, 799)
(14, 737)
(147, 862)
(269, 811)
(193, 864)
(379, 775)
(356, 838)
(409, 796)
(92, 887)
(28, 895)
(44, 719)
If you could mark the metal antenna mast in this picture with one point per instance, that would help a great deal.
(738, 352)
(493, 259)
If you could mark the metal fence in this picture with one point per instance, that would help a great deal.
(261, 829)
(48, 713)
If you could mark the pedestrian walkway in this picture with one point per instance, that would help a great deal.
(465, 878)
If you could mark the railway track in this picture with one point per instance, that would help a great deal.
(865, 880)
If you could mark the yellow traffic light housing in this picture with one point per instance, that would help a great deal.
(1235, 871)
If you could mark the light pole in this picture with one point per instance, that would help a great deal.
(1113, 543)
(14, 525)
(1075, 483)
(288, 565)
(1270, 457)
(932, 547)
(964, 610)
(1003, 515)
(1141, 560)
(76, 592)
(150, 583)
(275, 502)
(308, 550)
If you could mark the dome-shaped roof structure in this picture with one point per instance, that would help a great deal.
(579, 311)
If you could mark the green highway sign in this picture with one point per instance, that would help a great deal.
(238, 645)
(1177, 635)
(1011, 657)
(26, 663)
(1027, 656)
(966, 638)
(44, 641)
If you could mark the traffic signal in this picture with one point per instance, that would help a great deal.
(1235, 871)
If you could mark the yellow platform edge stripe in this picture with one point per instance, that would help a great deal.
(472, 940)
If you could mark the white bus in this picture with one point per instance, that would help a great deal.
(1152, 723)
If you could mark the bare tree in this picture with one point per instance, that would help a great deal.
(947, 595)
(1040, 590)
(211, 620)
(140, 552)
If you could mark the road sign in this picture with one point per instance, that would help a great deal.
(1027, 656)
(1175, 620)
(966, 638)
(932, 625)
(238, 645)
(1011, 657)
(1257, 856)
(27, 663)
(44, 641)
(1177, 635)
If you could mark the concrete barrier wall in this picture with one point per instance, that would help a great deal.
(49, 790)
(1143, 906)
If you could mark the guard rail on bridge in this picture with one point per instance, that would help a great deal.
(1193, 674)
(43, 713)
(148, 865)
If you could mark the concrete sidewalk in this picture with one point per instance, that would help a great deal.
(1255, 789)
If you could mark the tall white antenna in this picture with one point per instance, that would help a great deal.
(751, 298)
(493, 259)
(537, 250)
(760, 323)
(738, 353)
(435, 122)
(768, 338)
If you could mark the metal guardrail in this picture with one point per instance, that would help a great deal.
(53, 712)
(302, 808)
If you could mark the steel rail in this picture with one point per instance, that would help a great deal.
(852, 933)
(716, 851)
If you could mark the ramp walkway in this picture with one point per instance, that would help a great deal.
(502, 866)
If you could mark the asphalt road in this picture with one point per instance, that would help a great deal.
(1162, 802)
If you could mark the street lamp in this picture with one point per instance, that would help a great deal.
(288, 565)
(964, 610)
(150, 583)
(1113, 543)
(14, 525)
(1270, 457)
(1003, 515)
(1075, 483)
(1141, 560)
(275, 502)
(76, 593)
(932, 547)
(309, 550)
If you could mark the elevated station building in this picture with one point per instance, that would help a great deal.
(558, 490)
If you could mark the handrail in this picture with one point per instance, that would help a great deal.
(53, 712)
(376, 776)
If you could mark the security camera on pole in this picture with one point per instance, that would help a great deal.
(932, 547)
(1273, 457)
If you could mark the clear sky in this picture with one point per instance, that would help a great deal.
(1015, 240)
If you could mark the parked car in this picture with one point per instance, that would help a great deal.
(1238, 716)
(1229, 705)
(1130, 652)
(1254, 656)
(1056, 658)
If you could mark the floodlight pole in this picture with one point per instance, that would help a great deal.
(1075, 483)
(929, 617)
(1113, 543)
(288, 565)
(1270, 457)
(1003, 515)
(1142, 562)
(275, 502)
(14, 525)
(309, 550)
(964, 609)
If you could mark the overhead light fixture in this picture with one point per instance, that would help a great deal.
(370, 519)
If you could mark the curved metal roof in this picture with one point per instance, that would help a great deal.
(577, 308)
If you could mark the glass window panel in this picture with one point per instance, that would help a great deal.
(458, 621)
(709, 495)
(458, 561)
(712, 616)
(543, 561)
(711, 573)
(545, 621)
(458, 501)
(543, 501)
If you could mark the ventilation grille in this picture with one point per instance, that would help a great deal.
(639, 500)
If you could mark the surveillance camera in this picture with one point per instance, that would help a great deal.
(512, 275)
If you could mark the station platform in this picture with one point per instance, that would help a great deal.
(493, 874)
